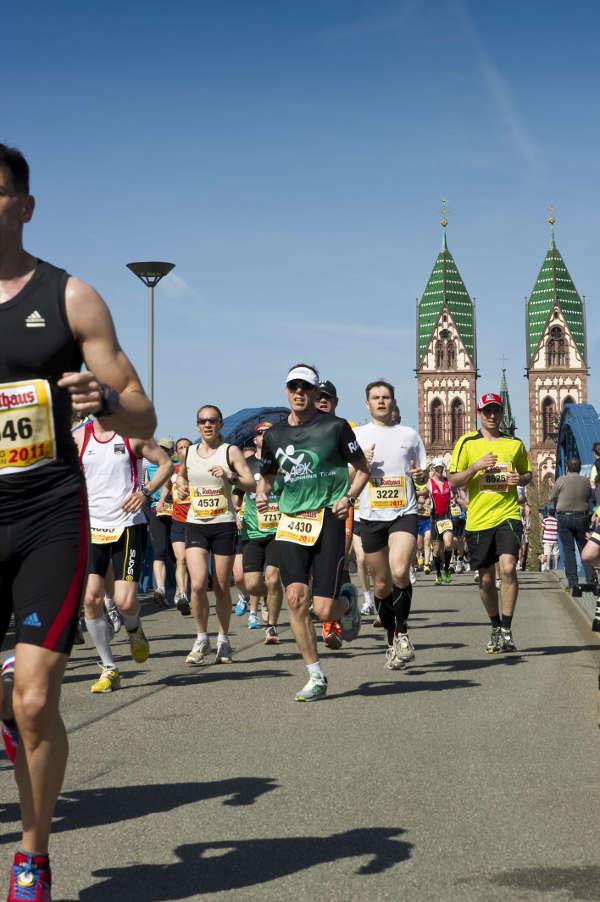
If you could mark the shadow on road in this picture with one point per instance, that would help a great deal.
(403, 685)
(580, 883)
(214, 867)
(114, 804)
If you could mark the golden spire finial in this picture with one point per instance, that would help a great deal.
(444, 210)
(551, 218)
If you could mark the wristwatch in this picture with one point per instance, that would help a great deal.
(351, 500)
(146, 492)
(110, 401)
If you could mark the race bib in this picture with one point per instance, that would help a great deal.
(268, 520)
(387, 492)
(27, 437)
(208, 501)
(494, 479)
(303, 528)
(179, 498)
(167, 510)
(106, 536)
(443, 526)
(455, 510)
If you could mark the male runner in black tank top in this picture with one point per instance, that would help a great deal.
(50, 323)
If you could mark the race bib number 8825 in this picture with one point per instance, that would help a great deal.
(27, 437)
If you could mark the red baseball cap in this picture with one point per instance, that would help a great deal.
(489, 398)
(264, 425)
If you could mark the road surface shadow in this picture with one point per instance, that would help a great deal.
(402, 685)
(114, 804)
(213, 867)
(580, 883)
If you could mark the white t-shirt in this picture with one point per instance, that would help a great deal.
(390, 486)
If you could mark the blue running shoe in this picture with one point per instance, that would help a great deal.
(30, 879)
(351, 619)
(253, 621)
(242, 605)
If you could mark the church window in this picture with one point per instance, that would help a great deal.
(549, 427)
(439, 354)
(556, 348)
(437, 422)
(457, 419)
(568, 400)
(451, 355)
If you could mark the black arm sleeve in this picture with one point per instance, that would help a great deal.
(268, 465)
(348, 444)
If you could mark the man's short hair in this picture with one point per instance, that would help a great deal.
(13, 160)
(573, 465)
(378, 384)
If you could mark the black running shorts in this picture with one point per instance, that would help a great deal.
(436, 535)
(177, 531)
(458, 524)
(260, 553)
(486, 546)
(127, 555)
(220, 538)
(326, 558)
(375, 533)
(160, 535)
(43, 559)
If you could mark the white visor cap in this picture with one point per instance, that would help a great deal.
(304, 373)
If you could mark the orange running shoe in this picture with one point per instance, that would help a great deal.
(332, 634)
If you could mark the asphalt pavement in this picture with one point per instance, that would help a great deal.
(464, 777)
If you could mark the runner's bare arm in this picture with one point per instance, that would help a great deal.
(156, 455)
(463, 477)
(263, 490)
(362, 471)
(92, 326)
(245, 478)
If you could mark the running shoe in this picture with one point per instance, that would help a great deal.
(264, 611)
(113, 614)
(332, 634)
(377, 623)
(350, 621)
(412, 576)
(427, 569)
(253, 621)
(467, 567)
(507, 641)
(30, 879)
(10, 731)
(79, 638)
(420, 562)
(448, 576)
(199, 652)
(182, 604)
(271, 636)
(160, 599)
(392, 662)
(498, 583)
(367, 608)
(458, 567)
(110, 679)
(140, 649)
(315, 689)
(242, 605)
(494, 646)
(438, 580)
(223, 655)
(404, 649)
(476, 576)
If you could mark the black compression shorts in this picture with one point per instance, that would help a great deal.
(160, 535)
(326, 558)
(375, 533)
(126, 555)
(220, 538)
(260, 553)
(43, 558)
(177, 531)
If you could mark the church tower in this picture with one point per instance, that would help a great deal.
(508, 425)
(446, 357)
(556, 356)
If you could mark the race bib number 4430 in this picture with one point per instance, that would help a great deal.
(27, 438)
(303, 528)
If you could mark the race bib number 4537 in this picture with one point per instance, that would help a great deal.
(27, 437)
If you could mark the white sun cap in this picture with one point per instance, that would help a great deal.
(437, 462)
(303, 373)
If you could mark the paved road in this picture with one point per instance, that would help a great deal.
(465, 777)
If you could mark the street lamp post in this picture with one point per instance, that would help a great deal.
(150, 274)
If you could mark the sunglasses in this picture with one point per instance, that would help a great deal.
(202, 421)
(300, 385)
(260, 432)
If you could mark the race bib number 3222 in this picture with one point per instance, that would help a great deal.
(27, 437)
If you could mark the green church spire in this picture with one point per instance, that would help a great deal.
(554, 286)
(508, 425)
(445, 288)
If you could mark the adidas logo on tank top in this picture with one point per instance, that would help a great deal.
(34, 320)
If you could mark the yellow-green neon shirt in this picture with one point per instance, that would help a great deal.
(490, 506)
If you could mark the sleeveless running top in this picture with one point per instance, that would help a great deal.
(210, 498)
(112, 473)
(440, 497)
(38, 457)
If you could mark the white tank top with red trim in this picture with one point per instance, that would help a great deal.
(112, 472)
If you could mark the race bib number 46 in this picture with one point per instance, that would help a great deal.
(303, 528)
(27, 437)
(208, 501)
(387, 492)
(494, 479)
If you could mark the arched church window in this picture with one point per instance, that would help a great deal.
(556, 348)
(548, 419)
(439, 355)
(457, 419)
(568, 400)
(451, 355)
(437, 421)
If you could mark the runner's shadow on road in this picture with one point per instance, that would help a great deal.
(222, 673)
(215, 867)
(114, 804)
(579, 882)
(449, 623)
(402, 685)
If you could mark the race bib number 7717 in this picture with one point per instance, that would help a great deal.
(27, 437)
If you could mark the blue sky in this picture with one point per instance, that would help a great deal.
(290, 159)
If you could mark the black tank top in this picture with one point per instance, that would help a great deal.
(38, 457)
